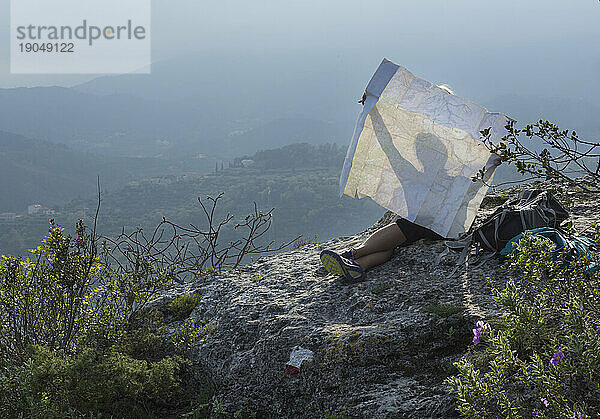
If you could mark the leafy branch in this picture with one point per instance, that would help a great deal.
(563, 154)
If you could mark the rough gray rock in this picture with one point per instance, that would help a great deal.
(381, 348)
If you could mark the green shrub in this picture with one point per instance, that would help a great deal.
(541, 357)
(78, 338)
(182, 307)
(246, 411)
(112, 383)
(63, 297)
(188, 333)
(51, 383)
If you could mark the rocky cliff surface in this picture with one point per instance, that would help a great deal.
(380, 348)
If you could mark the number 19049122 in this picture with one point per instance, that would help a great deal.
(47, 47)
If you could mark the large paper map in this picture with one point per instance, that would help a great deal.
(416, 148)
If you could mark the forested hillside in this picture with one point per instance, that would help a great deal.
(299, 181)
(34, 171)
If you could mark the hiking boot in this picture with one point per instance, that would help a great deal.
(338, 265)
(348, 254)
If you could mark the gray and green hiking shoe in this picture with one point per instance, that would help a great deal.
(347, 254)
(338, 265)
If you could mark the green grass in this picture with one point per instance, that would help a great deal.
(301, 241)
(381, 288)
(182, 307)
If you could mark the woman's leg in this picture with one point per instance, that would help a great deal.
(374, 259)
(379, 247)
(386, 238)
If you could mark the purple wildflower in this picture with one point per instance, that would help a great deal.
(478, 332)
(557, 357)
(534, 414)
(482, 325)
(477, 337)
(545, 401)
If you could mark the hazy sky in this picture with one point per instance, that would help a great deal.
(480, 48)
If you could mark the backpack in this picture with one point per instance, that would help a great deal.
(575, 246)
(532, 209)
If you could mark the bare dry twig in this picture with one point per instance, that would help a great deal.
(190, 250)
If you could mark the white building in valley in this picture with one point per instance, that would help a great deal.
(8, 216)
(37, 209)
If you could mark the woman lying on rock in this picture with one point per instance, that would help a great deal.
(377, 249)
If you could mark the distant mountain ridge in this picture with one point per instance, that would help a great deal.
(192, 105)
(125, 125)
(35, 171)
(115, 124)
(286, 131)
